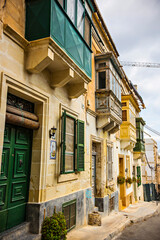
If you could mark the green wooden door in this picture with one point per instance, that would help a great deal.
(14, 178)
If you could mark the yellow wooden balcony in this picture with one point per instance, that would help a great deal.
(128, 126)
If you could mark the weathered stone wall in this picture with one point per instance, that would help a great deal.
(13, 14)
(37, 212)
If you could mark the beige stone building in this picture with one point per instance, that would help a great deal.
(61, 144)
(45, 67)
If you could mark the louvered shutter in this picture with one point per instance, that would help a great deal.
(139, 175)
(63, 141)
(80, 145)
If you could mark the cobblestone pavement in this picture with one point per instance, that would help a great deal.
(146, 230)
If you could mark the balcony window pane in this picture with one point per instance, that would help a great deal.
(124, 115)
(88, 9)
(120, 93)
(87, 35)
(71, 9)
(110, 80)
(80, 17)
(113, 84)
(61, 2)
(102, 80)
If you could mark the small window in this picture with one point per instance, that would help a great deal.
(124, 115)
(102, 80)
(124, 104)
(102, 65)
(69, 211)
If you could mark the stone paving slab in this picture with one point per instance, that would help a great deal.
(113, 224)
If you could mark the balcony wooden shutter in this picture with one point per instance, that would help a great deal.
(139, 175)
(80, 145)
(63, 141)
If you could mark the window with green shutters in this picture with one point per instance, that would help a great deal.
(72, 144)
(138, 176)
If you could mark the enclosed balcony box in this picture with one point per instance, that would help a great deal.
(108, 92)
(140, 144)
(128, 128)
(57, 44)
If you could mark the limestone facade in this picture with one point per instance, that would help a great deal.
(41, 72)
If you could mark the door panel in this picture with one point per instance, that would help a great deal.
(94, 175)
(14, 180)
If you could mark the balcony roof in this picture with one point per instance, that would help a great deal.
(114, 60)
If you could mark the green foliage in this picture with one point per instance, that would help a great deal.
(134, 179)
(54, 227)
(120, 180)
(129, 180)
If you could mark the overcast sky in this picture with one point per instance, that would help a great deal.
(135, 29)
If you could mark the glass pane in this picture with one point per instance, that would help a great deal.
(113, 84)
(71, 9)
(69, 143)
(88, 9)
(87, 30)
(70, 125)
(70, 134)
(69, 163)
(61, 2)
(80, 17)
(102, 80)
(124, 115)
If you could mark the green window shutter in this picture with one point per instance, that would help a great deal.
(63, 141)
(80, 145)
(139, 175)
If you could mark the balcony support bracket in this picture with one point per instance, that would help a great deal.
(38, 58)
(109, 126)
(76, 90)
(61, 78)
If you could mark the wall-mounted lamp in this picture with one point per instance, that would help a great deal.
(52, 132)
(126, 170)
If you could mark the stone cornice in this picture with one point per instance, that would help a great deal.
(16, 37)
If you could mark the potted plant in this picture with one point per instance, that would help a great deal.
(54, 227)
(134, 180)
(120, 180)
(128, 180)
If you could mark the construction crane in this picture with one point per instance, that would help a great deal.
(140, 64)
(152, 130)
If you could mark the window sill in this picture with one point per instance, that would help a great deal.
(67, 177)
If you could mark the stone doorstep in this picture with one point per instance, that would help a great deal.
(19, 232)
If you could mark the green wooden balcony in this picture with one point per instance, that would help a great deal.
(140, 145)
(47, 19)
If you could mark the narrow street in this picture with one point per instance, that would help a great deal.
(146, 230)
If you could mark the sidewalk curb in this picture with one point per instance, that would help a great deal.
(129, 222)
